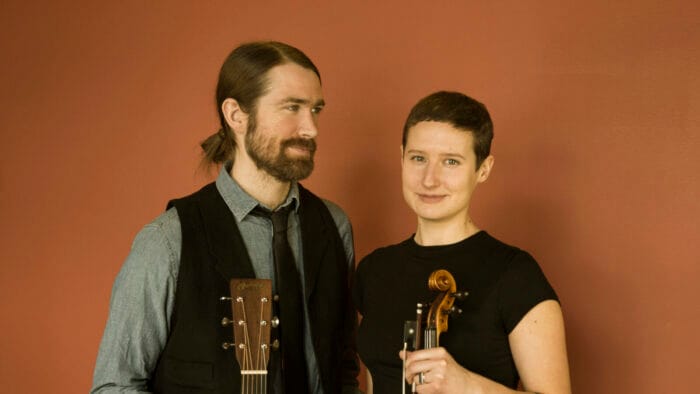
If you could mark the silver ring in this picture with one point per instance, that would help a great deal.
(421, 378)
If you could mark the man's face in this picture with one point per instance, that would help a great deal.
(281, 133)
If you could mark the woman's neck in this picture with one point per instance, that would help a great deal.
(430, 233)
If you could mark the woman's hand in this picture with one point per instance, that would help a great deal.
(539, 351)
(440, 372)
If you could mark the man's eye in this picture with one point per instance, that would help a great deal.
(452, 162)
(293, 108)
(418, 158)
(316, 110)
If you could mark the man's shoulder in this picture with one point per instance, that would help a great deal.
(166, 220)
(208, 189)
(337, 213)
(165, 227)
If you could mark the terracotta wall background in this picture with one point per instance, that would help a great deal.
(597, 116)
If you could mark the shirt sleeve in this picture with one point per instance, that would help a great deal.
(140, 308)
(521, 288)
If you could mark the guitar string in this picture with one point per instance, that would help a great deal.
(255, 380)
(247, 356)
(260, 361)
(261, 355)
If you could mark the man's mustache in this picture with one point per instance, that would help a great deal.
(303, 143)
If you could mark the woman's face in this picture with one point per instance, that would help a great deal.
(438, 171)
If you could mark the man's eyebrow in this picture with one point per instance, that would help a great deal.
(296, 100)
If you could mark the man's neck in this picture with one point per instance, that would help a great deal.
(263, 187)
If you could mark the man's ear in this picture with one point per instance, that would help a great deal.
(485, 169)
(234, 115)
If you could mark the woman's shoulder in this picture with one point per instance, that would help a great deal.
(385, 254)
(389, 250)
(503, 251)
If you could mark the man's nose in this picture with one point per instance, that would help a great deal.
(308, 127)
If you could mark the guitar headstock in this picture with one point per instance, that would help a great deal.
(251, 305)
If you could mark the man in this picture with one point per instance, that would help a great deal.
(164, 332)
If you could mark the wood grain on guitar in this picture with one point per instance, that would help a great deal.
(251, 307)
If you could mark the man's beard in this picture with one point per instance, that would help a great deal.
(283, 168)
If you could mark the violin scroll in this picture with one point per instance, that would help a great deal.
(442, 306)
(425, 333)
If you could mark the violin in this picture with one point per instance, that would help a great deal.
(424, 332)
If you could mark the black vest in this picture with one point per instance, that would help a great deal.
(213, 252)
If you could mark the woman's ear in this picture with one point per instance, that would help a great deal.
(485, 169)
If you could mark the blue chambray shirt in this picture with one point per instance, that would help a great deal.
(144, 291)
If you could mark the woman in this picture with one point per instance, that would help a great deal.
(511, 332)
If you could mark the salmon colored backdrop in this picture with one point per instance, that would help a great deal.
(596, 109)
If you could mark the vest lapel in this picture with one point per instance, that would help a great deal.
(312, 228)
(225, 242)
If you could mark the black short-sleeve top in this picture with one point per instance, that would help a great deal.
(503, 282)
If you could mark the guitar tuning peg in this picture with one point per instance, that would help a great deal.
(227, 345)
(226, 321)
(222, 299)
(275, 321)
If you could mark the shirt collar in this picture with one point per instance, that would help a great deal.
(239, 201)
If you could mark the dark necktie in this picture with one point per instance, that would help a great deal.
(291, 306)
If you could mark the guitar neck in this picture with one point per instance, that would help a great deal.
(254, 382)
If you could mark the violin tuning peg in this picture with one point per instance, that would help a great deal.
(454, 311)
(461, 295)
